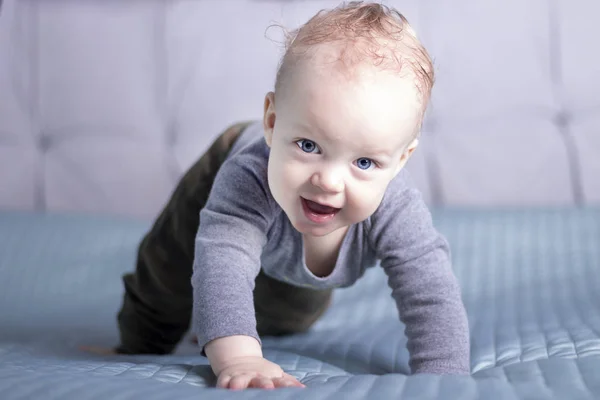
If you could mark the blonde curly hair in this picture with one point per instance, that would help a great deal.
(362, 31)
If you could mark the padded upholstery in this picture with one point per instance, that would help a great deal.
(530, 282)
(103, 104)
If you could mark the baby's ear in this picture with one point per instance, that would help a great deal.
(407, 153)
(269, 117)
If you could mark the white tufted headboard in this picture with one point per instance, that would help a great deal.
(103, 104)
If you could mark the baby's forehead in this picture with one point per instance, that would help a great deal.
(369, 118)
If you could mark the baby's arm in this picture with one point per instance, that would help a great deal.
(228, 247)
(416, 259)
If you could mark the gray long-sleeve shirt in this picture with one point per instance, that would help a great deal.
(243, 229)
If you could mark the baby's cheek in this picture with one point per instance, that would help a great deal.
(360, 206)
(290, 172)
(295, 174)
(368, 201)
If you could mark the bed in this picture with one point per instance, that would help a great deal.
(530, 282)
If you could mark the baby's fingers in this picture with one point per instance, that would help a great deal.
(261, 382)
(287, 381)
(239, 382)
(223, 381)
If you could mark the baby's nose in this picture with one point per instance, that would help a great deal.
(328, 181)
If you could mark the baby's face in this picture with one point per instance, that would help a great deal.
(336, 143)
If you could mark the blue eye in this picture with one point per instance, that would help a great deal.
(308, 146)
(364, 163)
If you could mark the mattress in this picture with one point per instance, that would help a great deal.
(530, 279)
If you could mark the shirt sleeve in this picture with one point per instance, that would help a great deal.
(416, 259)
(229, 242)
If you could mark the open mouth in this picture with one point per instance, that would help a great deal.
(318, 213)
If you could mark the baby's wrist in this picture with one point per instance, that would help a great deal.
(222, 352)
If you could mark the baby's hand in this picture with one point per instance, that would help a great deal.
(254, 372)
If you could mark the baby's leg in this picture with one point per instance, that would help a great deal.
(285, 309)
(157, 303)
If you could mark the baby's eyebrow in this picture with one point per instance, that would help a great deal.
(304, 127)
(378, 154)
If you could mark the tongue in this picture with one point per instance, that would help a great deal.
(319, 208)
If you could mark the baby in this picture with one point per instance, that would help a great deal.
(278, 213)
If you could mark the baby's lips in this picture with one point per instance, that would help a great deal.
(320, 208)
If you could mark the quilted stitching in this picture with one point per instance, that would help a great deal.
(530, 285)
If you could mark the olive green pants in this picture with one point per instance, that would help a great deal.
(157, 303)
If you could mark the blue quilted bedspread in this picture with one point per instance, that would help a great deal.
(531, 282)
